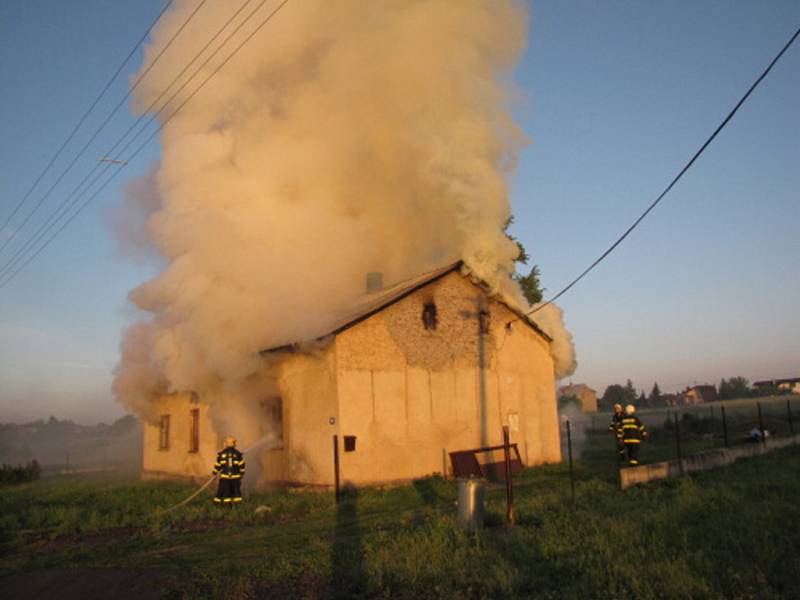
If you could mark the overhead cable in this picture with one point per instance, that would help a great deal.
(27, 261)
(102, 126)
(680, 174)
(108, 161)
(85, 115)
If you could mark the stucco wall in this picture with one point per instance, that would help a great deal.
(411, 395)
(588, 400)
(307, 383)
(177, 461)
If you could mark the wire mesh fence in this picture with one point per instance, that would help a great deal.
(678, 433)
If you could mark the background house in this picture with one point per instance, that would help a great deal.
(429, 366)
(698, 394)
(791, 384)
(586, 395)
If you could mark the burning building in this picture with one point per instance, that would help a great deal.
(343, 138)
(431, 365)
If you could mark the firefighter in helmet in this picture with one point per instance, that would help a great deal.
(632, 433)
(616, 428)
(230, 470)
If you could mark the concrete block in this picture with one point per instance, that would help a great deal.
(700, 462)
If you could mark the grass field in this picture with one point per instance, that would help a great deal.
(729, 533)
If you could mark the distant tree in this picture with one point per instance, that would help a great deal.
(123, 425)
(614, 394)
(629, 393)
(655, 395)
(735, 387)
(530, 284)
(642, 401)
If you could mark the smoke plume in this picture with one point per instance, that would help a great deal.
(345, 137)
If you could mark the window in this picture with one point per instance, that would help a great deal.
(483, 319)
(194, 430)
(163, 433)
(273, 422)
(429, 316)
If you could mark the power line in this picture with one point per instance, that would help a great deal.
(75, 195)
(268, 18)
(680, 174)
(86, 114)
(102, 126)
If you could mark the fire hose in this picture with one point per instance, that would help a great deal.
(212, 478)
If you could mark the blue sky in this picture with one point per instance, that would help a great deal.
(615, 97)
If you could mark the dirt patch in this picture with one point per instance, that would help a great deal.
(66, 584)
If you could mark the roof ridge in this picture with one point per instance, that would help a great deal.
(371, 304)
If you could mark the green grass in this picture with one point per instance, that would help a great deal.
(729, 533)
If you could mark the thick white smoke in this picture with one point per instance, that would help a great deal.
(346, 137)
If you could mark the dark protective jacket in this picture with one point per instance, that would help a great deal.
(632, 430)
(230, 464)
(616, 424)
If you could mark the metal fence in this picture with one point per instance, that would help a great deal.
(676, 433)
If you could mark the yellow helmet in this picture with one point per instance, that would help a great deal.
(630, 409)
(230, 441)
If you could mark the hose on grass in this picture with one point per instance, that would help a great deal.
(194, 494)
(189, 499)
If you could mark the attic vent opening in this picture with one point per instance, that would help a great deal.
(483, 319)
(429, 319)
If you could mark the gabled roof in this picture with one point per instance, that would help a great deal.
(707, 392)
(572, 388)
(372, 304)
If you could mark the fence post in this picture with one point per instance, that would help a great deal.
(569, 451)
(711, 425)
(619, 458)
(336, 466)
(678, 443)
(511, 513)
(761, 423)
(789, 414)
(724, 426)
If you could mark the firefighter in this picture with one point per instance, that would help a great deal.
(632, 434)
(230, 470)
(616, 428)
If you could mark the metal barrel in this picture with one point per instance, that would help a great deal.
(471, 496)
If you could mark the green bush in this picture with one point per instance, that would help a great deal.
(19, 474)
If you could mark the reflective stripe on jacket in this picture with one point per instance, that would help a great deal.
(631, 430)
(230, 464)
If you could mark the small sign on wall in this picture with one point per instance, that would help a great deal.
(513, 422)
